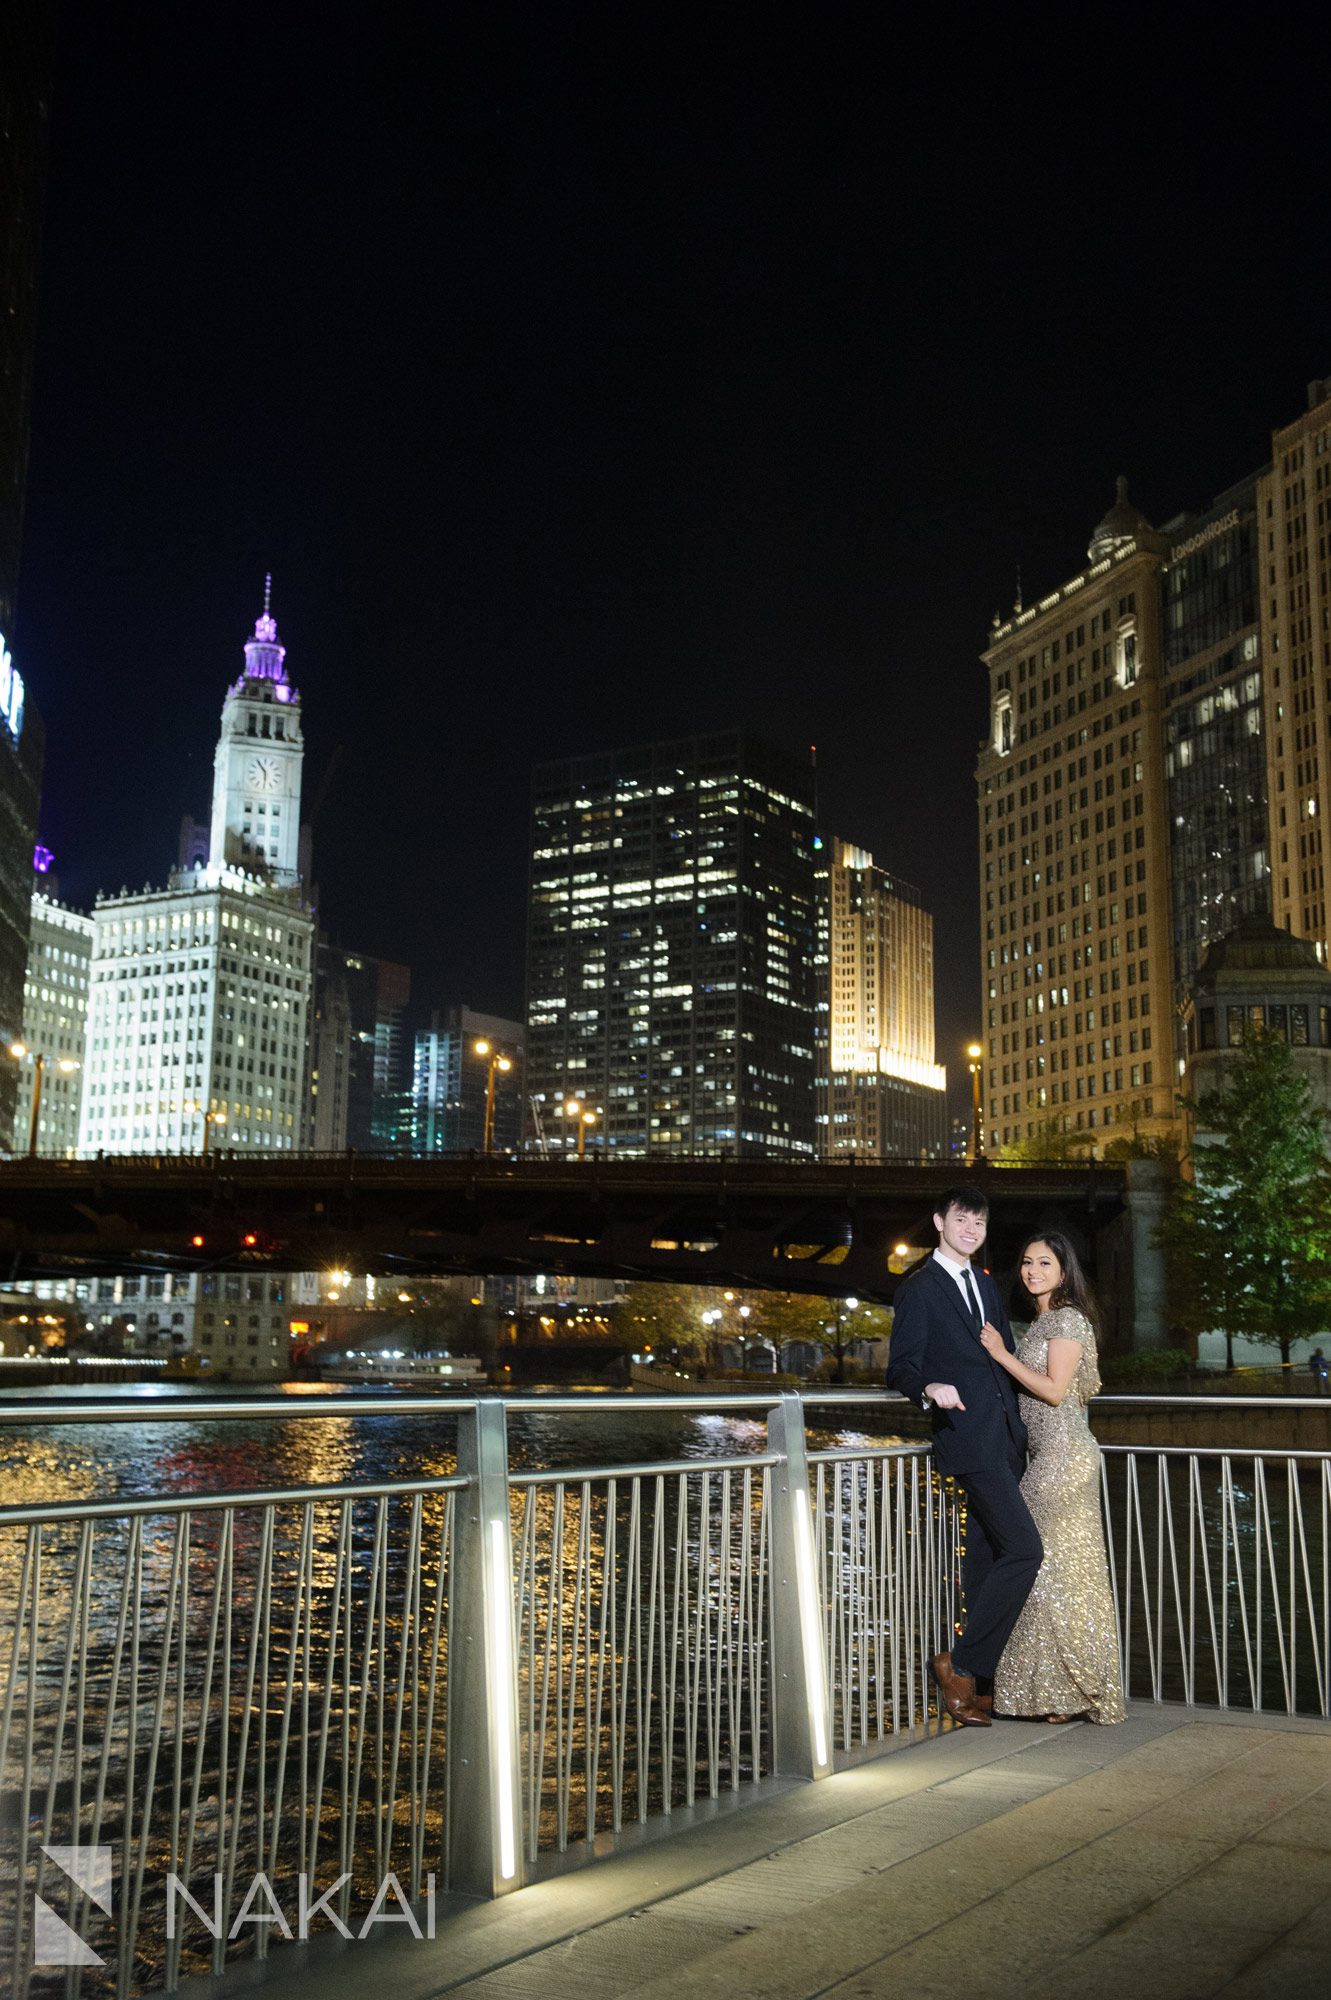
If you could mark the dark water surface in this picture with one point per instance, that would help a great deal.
(150, 1455)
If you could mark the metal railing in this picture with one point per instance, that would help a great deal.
(393, 1689)
(1221, 1566)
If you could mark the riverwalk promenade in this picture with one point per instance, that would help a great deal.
(1183, 1854)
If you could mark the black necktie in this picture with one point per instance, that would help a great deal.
(973, 1296)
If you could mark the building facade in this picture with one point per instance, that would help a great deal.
(1294, 529)
(199, 993)
(55, 1024)
(27, 58)
(360, 1072)
(881, 1094)
(258, 764)
(21, 754)
(27, 62)
(1215, 754)
(198, 1008)
(451, 1084)
(670, 950)
(198, 1001)
(1239, 689)
(1076, 938)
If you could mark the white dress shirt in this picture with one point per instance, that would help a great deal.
(958, 1272)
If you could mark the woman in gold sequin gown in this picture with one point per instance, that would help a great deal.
(1062, 1659)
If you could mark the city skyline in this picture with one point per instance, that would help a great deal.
(734, 392)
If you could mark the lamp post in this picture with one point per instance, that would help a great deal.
(65, 1064)
(976, 1053)
(575, 1108)
(494, 1061)
(211, 1118)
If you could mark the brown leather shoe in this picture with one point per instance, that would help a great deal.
(957, 1693)
(985, 1703)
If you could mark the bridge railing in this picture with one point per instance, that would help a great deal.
(364, 1695)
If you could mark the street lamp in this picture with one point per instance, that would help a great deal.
(575, 1108)
(494, 1061)
(211, 1118)
(65, 1064)
(975, 1052)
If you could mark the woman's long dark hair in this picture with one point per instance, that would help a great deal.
(1073, 1289)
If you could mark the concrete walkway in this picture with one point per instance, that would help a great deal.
(1184, 1854)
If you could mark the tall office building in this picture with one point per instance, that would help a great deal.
(55, 1022)
(200, 992)
(1215, 760)
(27, 44)
(391, 1106)
(670, 950)
(451, 1084)
(1294, 528)
(881, 1094)
(1234, 706)
(1215, 752)
(1074, 854)
(21, 755)
(359, 1061)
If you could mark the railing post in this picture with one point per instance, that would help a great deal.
(485, 1797)
(801, 1721)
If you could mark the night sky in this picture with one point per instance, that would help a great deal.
(584, 381)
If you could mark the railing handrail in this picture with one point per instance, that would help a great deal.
(1216, 1402)
(260, 1408)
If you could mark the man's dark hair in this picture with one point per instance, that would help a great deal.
(969, 1197)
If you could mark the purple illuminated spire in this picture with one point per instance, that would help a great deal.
(263, 655)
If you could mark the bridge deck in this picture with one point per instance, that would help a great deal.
(1185, 1853)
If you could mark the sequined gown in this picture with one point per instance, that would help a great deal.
(1062, 1657)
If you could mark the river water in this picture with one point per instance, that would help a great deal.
(154, 1455)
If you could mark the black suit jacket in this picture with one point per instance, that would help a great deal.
(935, 1339)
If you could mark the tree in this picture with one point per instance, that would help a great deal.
(692, 1321)
(835, 1325)
(1248, 1239)
(1048, 1142)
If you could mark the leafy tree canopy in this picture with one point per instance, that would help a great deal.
(1248, 1239)
(670, 1317)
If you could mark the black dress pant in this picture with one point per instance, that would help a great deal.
(1003, 1556)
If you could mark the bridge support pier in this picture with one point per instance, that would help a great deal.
(1130, 1266)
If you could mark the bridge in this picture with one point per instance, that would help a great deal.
(830, 1229)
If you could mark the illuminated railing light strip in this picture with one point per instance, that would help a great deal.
(501, 1666)
(809, 1627)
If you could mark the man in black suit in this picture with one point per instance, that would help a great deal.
(936, 1359)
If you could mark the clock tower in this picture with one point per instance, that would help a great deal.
(256, 772)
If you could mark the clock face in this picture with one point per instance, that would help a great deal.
(263, 774)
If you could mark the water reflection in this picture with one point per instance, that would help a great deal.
(154, 1458)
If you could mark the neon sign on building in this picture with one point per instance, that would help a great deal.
(11, 692)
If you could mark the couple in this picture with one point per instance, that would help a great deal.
(1040, 1636)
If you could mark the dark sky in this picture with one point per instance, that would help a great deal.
(586, 375)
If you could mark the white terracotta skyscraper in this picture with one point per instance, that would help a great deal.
(257, 766)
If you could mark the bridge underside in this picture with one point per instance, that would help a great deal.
(829, 1230)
